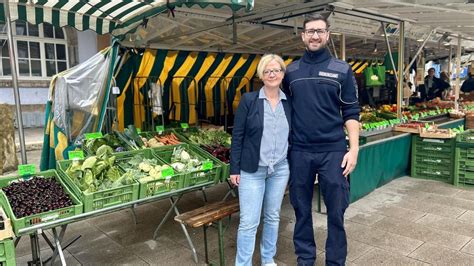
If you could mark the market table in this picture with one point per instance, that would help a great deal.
(385, 157)
(38, 229)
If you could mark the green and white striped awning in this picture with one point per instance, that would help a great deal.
(117, 17)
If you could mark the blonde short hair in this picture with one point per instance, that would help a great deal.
(266, 59)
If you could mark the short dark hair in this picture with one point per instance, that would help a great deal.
(314, 17)
(432, 68)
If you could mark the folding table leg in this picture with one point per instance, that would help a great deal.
(185, 231)
(57, 241)
(204, 227)
(231, 191)
(167, 215)
(221, 242)
(134, 214)
(35, 250)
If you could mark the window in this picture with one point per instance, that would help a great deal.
(41, 50)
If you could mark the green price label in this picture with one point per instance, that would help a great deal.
(139, 130)
(167, 172)
(184, 125)
(160, 129)
(76, 155)
(415, 117)
(405, 118)
(438, 111)
(26, 169)
(432, 113)
(95, 135)
(423, 114)
(207, 165)
(450, 110)
(366, 126)
(427, 125)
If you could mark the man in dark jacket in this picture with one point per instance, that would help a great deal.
(324, 95)
(468, 84)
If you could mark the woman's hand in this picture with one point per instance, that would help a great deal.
(235, 180)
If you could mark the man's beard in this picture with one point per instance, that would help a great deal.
(321, 47)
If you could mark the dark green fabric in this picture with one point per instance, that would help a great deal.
(453, 124)
(378, 164)
(388, 64)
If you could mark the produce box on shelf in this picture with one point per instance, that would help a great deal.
(432, 158)
(437, 133)
(153, 139)
(98, 181)
(36, 212)
(210, 142)
(185, 158)
(151, 172)
(7, 253)
(412, 127)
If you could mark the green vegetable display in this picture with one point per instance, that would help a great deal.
(98, 172)
(182, 161)
(209, 137)
(145, 170)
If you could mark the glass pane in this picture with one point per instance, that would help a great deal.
(3, 28)
(4, 44)
(33, 30)
(22, 49)
(48, 30)
(36, 68)
(49, 49)
(61, 66)
(61, 51)
(50, 68)
(35, 50)
(7, 71)
(24, 66)
(20, 28)
(58, 33)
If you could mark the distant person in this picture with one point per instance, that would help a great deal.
(468, 84)
(434, 86)
(448, 91)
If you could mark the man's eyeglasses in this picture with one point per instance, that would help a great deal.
(274, 71)
(311, 32)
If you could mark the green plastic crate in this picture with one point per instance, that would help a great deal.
(225, 170)
(464, 166)
(19, 223)
(432, 158)
(195, 177)
(100, 199)
(155, 187)
(466, 137)
(7, 253)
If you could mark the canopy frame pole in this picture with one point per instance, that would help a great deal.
(16, 90)
(401, 47)
(387, 42)
(407, 69)
(342, 39)
(458, 73)
(450, 61)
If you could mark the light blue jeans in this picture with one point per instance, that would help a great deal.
(257, 189)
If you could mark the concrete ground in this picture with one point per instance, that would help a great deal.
(406, 222)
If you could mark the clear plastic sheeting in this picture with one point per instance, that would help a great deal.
(79, 96)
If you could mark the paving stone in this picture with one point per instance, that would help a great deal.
(400, 213)
(423, 233)
(466, 193)
(468, 217)
(382, 239)
(469, 248)
(356, 249)
(436, 187)
(438, 255)
(378, 256)
(109, 254)
(451, 201)
(355, 215)
(449, 225)
(366, 205)
(387, 197)
(429, 207)
(45, 254)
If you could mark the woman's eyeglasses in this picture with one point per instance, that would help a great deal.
(274, 71)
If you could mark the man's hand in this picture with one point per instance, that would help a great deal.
(235, 180)
(349, 161)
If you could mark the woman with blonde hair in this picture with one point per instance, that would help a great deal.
(258, 163)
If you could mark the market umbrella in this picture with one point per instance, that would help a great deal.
(115, 17)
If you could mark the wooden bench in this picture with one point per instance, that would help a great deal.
(213, 214)
(207, 216)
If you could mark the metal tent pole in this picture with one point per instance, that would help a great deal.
(387, 42)
(401, 47)
(16, 90)
(458, 73)
(343, 46)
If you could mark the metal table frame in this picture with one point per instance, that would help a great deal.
(39, 229)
